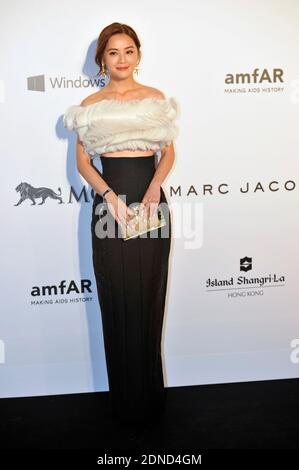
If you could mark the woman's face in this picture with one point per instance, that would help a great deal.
(121, 56)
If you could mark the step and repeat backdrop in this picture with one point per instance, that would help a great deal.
(232, 300)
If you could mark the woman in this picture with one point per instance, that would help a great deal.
(125, 124)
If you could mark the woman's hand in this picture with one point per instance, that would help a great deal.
(119, 210)
(151, 198)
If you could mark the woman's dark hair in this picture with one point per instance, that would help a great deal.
(105, 35)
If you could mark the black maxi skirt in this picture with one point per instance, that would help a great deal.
(131, 278)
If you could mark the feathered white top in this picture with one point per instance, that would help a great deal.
(109, 125)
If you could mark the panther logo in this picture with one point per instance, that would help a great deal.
(29, 192)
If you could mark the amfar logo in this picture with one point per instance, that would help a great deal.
(265, 76)
(62, 288)
(37, 83)
(83, 287)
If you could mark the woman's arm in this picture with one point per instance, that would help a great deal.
(88, 172)
(164, 166)
(86, 169)
(151, 198)
(120, 211)
(167, 156)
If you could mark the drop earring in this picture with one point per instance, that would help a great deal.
(103, 71)
(136, 69)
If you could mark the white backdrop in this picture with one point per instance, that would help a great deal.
(234, 131)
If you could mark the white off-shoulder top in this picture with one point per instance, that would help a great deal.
(109, 125)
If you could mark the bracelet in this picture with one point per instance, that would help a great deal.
(107, 191)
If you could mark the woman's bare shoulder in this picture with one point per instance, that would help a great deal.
(92, 98)
(151, 92)
(155, 93)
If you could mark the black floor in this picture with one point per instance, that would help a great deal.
(250, 415)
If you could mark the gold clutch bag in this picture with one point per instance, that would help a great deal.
(141, 222)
